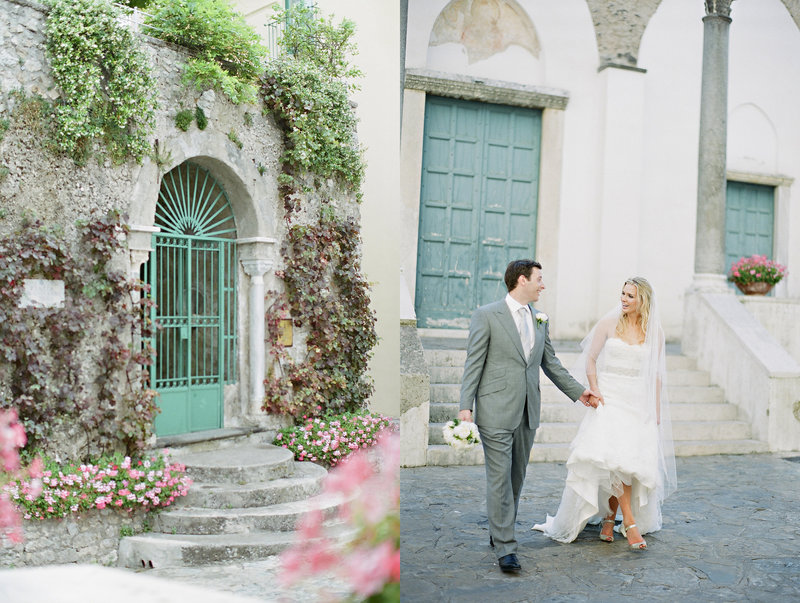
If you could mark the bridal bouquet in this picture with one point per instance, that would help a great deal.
(461, 435)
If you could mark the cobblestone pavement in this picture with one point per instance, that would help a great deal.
(731, 533)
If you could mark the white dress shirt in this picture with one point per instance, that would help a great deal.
(514, 306)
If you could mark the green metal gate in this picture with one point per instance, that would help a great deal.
(192, 275)
(478, 205)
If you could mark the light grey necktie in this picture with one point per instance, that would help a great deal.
(525, 331)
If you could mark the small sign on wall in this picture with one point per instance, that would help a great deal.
(42, 293)
(286, 332)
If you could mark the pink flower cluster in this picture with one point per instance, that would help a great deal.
(118, 483)
(328, 440)
(368, 483)
(756, 269)
(12, 438)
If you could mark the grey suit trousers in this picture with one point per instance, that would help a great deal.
(506, 454)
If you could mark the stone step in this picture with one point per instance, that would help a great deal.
(572, 412)
(453, 374)
(274, 518)
(564, 433)
(451, 393)
(156, 550)
(239, 465)
(304, 481)
(456, 358)
(443, 455)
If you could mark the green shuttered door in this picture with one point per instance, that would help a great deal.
(749, 221)
(480, 181)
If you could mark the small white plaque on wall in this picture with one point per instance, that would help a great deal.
(42, 293)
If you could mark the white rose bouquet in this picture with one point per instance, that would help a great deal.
(461, 435)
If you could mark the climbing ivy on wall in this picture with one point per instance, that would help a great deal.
(82, 365)
(226, 52)
(107, 90)
(326, 293)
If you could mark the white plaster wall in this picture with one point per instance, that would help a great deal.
(378, 39)
(765, 76)
(569, 50)
(672, 52)
(763, 136)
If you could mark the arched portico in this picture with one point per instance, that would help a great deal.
(252, 199)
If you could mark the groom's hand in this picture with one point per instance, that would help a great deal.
(465, 415)
(590, 398)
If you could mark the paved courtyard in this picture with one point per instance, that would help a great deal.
(731, 533)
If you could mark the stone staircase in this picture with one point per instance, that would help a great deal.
(703, 423)
(243, 505)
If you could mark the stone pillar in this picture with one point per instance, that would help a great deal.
(709, 263)
(255, 269)
(619, 192)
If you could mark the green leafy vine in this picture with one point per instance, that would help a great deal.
(325, 293)
(80, 365)
(107, 90)
(228, 55)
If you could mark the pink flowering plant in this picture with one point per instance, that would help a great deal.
(756, 269)
(330, 438)
(12, 439)
(115, 482)
(368, 484)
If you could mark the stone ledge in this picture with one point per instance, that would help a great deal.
(485, 90)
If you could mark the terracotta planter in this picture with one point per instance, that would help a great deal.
(754, 288)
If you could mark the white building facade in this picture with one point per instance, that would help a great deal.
(613, 96)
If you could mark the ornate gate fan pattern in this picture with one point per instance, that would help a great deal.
(191, 202)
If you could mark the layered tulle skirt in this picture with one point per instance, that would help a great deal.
(616, 444)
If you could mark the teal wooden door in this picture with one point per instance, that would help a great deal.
(192, 278)
(478, 203)
(749, 221)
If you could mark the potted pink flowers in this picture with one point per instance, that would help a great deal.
(756, 275)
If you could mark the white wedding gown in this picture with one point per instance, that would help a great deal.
(616, 443)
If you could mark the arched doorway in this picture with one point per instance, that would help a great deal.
(192, 275)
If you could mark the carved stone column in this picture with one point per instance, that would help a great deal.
(709, 262)
(256, 269)
(140, 245)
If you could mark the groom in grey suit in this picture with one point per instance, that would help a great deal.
(508, 342)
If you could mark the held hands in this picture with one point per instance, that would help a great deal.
(591, 398)
(465, 415)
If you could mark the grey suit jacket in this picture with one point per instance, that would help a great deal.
(498, 380)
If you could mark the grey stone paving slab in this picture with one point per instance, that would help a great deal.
(731, 533)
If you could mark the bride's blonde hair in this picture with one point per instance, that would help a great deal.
(644, 293)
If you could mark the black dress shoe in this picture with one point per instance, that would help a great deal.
(491, 541)
(509, 563)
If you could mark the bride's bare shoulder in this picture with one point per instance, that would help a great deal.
(607, 325)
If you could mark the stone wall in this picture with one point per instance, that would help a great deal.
(780, 317)
(415, 386)
(92, 537)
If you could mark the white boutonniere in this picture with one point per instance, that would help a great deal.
(461, 435)
(541, 317)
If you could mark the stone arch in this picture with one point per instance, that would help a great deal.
(253, 197)
(485, 27)
(619, 26)
(793, 6)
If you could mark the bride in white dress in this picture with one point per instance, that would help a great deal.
(622, 457)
